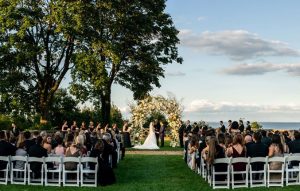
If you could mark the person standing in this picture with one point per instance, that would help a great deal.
(157, 129)
(248, 127)
(222, 127)
(181, 131)
(188, 127)
(229, 125)
(162, 134)
(126, 134)
(241, 126)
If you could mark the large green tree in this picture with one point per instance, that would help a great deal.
(129, 42)
(37, 40)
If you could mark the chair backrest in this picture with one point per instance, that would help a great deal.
(258, 159)
(89, 159)
(222, 161)
(18, 158)
(71, 159)
(239, 160)
(4, 158)
(292, 158)
(276, 159)
(36, 159)
(57, 159)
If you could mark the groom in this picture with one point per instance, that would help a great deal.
(162, 134)
(157, 130)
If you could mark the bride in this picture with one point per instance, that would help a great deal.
(150, 142)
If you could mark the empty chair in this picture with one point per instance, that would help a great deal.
(258, 171)
(88, 173)
(292, 170)
(220, 176)
(71, 166)
(239, 172)
(4, 172)
(275, 171)
(53, 169)
(35, 168)
(18, 170)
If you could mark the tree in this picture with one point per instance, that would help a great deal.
(129, 42)
(37, 40)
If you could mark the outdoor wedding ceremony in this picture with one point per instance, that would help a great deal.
(164, 95)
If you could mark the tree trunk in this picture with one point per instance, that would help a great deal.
(105, 106)
(44, 110)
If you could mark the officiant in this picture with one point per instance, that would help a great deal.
(157, 127)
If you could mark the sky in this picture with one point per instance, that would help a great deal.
(241, 60)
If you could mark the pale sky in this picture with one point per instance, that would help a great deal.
(241, 60)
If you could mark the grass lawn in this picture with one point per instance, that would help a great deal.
(143, 173)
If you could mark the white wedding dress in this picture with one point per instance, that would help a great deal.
(150, 142)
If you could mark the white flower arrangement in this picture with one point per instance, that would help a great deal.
(170, 107)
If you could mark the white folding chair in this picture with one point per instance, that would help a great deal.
(88, 176)
(33, 177)
(18, 170)
(203, 168)
(53, 169)
(4, 172)
(243, 183)
(258, 171)
(292, 173)
(276, 181)
(221, 183)
(66, 180)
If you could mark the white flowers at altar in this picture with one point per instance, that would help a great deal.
(170, 107)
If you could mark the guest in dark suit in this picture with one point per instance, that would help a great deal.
(162, 134)
(37, 150)
(222, 127)
(28, 142)
(188, 127)
(257, 149)
(294, 146)
(266, 140)
(6, 149)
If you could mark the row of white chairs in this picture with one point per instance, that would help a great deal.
(53, 171)
(288, 174)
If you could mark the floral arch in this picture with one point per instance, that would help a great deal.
(169, 107)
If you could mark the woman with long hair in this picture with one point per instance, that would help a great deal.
(276, 150)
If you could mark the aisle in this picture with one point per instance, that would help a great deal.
(157, 172)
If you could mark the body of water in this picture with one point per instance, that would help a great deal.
(267, 125)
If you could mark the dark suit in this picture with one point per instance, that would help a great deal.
(6, 149)
(258, 149)
(37, 151)
(162, 135)
(294, 147)
(180, 131)
(28, 143)
(188, 129)
(157, 129)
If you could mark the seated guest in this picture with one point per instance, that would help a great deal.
(248, 141)
(106, 175)
(265, 139)
(284, 144)
(221, 139)
(47, 144)
(108, 148)
(20, 152)
(294, 146)
(37, 150)
(215, 151)
(59, 149)
(275, 150)
(238, 149)
(235, 127)
(257, 149)
(72, 151)
(192, 152)
(6, 149)
(28, 142)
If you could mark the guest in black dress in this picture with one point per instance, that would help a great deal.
(126, 134)
(106, 175)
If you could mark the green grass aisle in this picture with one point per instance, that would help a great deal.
(145, 173)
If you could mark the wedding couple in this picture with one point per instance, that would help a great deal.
(151, 141)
